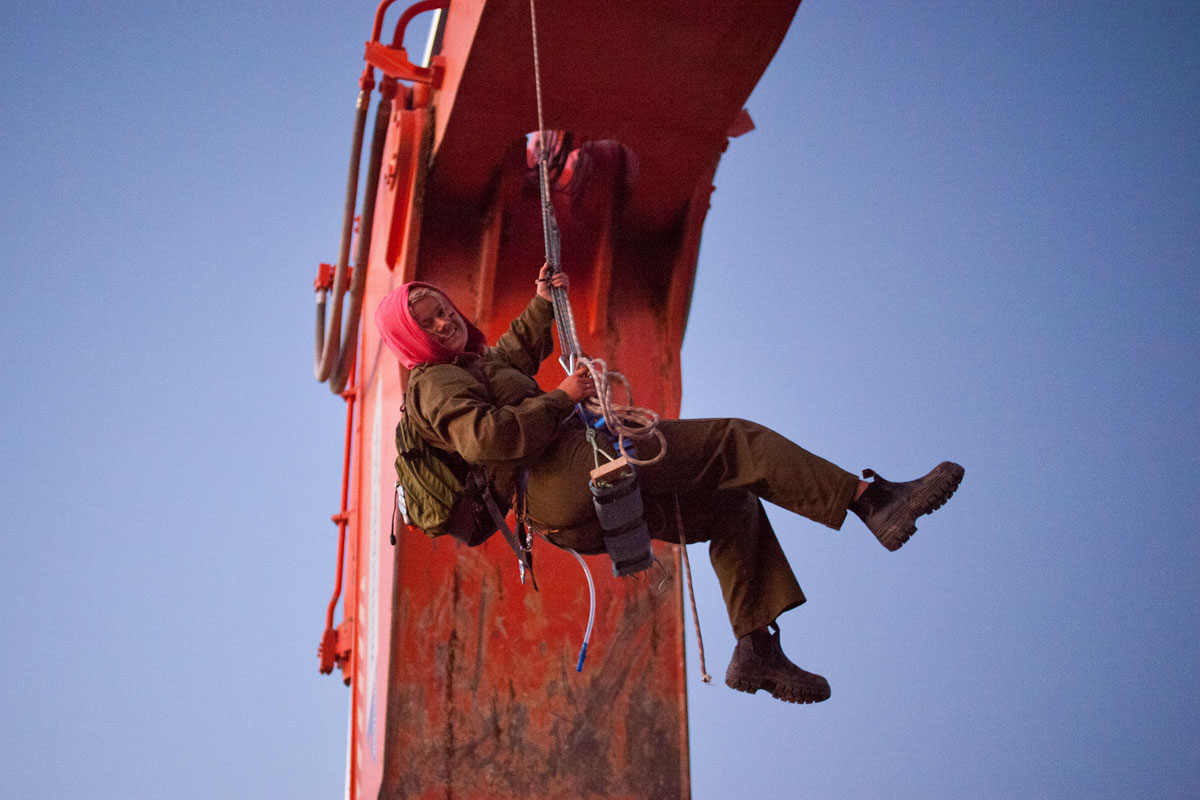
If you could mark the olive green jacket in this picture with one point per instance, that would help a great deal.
(487, 407)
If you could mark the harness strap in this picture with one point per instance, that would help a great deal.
(524, 532)
(485, 491)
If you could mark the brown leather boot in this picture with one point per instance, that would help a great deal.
(890, 510)
(759, 663)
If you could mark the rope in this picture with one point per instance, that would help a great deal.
(622, 420)
(537, 72)
(687, 568)
(563, 315)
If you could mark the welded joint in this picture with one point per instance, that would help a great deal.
(325, 273)
(393, 61)
(345, 648)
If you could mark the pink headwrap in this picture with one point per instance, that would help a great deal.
(405, 337)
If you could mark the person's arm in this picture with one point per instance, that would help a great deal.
(452, 405)
(527, 342)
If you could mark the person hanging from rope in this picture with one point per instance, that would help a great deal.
(483, 403)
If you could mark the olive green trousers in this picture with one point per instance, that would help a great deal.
(714, 477)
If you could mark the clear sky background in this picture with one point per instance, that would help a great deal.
(961, 230)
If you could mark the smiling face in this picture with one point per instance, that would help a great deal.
(438, 318)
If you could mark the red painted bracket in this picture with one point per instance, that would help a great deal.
(345, 643)
(335, 649)
(324, 279)
(742, 124)
(393, 62)
(327, 651)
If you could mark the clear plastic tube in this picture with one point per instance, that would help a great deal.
(587, 635)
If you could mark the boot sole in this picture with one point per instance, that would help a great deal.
(942, 482)
(786, 693)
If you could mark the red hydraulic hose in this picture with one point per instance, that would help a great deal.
(378, 26)
(335, 343)
(383, 116)
(336, 347)
(409, 13)
(329, 343)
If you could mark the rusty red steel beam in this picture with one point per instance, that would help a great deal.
(463, 680)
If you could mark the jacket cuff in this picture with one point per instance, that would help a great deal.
(540, 309)
(560, 400)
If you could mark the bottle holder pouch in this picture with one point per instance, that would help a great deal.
(618, 503)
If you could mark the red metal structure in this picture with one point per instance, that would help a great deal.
(463, 681)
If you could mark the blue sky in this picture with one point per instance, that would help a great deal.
(965, 231)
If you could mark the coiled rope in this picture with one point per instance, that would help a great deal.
(622, 420)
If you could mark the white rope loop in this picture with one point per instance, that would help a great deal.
(622, 419)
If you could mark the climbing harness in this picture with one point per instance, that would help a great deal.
(614, 487)
(615, 491)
